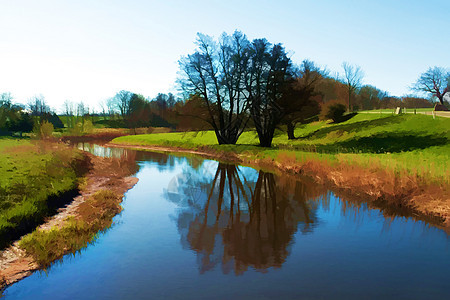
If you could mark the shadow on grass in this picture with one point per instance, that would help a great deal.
(354, 127)
(390, 142)
(379, 143)
(20, 225)
(345, 118)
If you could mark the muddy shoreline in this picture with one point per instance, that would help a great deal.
(426, 202)
(110, 174)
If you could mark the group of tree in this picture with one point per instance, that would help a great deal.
(21, 118)
(12, 116)
(242, 82)
(38, 108)
(366, 97)
(134, 110)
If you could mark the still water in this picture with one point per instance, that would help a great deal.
(200, 229)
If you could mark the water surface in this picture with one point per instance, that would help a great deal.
(200, 229)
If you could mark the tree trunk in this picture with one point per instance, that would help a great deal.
(225, 140)
(349, 95)
(290, 130)
(265, 131)
(266, 142)
(266, 137)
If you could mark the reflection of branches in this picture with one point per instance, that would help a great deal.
(239, 222)
(263, 241)
(202, 237)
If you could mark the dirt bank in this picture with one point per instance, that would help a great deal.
(423, 201)
(105, 174)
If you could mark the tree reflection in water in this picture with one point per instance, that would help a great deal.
(239, 218)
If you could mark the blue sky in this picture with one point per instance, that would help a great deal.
(89, 50)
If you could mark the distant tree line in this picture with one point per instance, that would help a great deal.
(367, 97)
(17, 118)
(131, 110)
(231, 84)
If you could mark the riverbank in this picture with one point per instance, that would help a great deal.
(76, 225)
(396, 161)
(378, 187)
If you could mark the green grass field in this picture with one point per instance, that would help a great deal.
(417, 144)
(30, 174)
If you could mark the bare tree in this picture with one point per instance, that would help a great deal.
(353, 76)
(5, 99)
(38, 106)
(68, 109)
(171, 100)
(111, 105)
(369, 97)
(435, 81)
(298, 101)
(82, 109)
(270, 70)
(138, 112)
(103, 107)
(122, 102)
(215, 72)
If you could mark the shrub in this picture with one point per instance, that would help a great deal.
(88, 127)
(333, 110)
(46, 130)
(82, 128)
(43, 131)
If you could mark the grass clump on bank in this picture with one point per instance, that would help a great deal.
(35, 179)
(94, 216)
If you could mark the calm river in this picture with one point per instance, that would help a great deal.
(199, 229)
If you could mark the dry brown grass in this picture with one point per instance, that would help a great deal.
(19, 149)
(397, 188)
